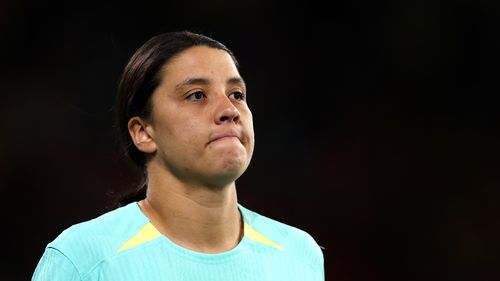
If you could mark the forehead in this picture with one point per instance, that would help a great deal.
(200, 61)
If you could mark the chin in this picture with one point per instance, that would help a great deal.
(235, 164)
(227, 166)
(228, 172)
(233, 161)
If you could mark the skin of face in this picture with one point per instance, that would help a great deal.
(201, 127)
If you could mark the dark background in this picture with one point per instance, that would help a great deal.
(377, 124)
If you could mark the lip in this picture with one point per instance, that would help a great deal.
(227, 138)
(224, 136)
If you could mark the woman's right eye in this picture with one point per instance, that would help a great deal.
(196, 96)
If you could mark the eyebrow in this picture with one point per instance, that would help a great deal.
(205, 81)
(236, 80)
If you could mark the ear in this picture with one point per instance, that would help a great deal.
(141, 134)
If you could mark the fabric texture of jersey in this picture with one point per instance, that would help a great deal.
(124, 245)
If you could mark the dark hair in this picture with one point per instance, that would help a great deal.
(140, 78)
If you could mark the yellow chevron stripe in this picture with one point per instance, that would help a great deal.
(147, 233)
(254, 235)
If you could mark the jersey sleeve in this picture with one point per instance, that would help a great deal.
(55, 266)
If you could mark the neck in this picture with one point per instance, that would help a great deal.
(191, 215)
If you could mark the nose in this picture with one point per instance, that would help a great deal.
(227, 112)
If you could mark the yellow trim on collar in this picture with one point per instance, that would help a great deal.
(147, 233)
(254, 235)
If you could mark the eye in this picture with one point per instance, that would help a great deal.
(196, 96)
(237, 95)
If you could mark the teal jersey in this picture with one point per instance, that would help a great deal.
(123, 245)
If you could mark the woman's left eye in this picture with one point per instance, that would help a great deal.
(237, 95)
(196, 96)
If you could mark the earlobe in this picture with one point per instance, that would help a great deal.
(141, 134)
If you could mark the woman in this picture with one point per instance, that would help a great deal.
(183, 118)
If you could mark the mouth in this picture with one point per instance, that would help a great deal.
(227, 138)
(224, 137)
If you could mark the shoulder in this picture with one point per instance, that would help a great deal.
(88, 243)
(291, 239)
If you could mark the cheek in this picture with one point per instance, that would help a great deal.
(187, 130)
(249, 123)
(167, 131)
(249, 133)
